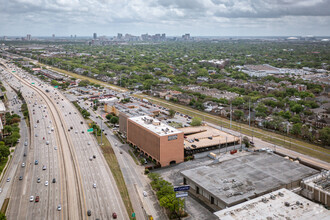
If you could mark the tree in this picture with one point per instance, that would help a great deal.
(261, 110)
(196, 121)
(172, 113)
(108, 116)
(296, 129)
(297, 108)
(7, 129)
(238, 114)
(246, 141)
(325, 136)
(84, 82)
(4, 151)
(114, 120)
(2, 216)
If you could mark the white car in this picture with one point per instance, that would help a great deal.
(46, 183)
(36, 135)
(35, 126)
(89, 143)
(47, 142)
(145, 194)
(59, 208)
(31, 198)
(55, 148)
(23, 164)
(94, 185)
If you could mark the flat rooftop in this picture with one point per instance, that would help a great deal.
(155, 125)
(280, 204)
(132, 109)
(235, 180)
(320, 181)
(207, 136)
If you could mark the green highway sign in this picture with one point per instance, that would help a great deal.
(32, 83)
(14, 71)
(90, 130)
(55, 87)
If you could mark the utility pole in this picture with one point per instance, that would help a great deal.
(226, 144)
(249, 115)
(230, 115)
(101, 131)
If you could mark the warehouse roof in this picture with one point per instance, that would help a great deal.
(281, 204)
(235, 180)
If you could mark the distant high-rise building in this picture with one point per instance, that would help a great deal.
(163, 36)
(71, 36)
(28, 37)
(95, 36)
(119, 36)
(186, 36)
(53, 35)
(75, 36)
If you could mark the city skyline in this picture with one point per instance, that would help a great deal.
(199, 18)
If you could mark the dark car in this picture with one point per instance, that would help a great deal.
(114, 215)
(89, 212)
(36, 162)
(94, 156)
(21, 177)
(37, 199)
(54, 180)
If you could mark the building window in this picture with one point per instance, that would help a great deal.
(184, 181)
(172, 137)
(212, 200)
(197, 190)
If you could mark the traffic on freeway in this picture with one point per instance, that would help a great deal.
(63, 174)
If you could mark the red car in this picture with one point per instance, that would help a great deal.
(114, 215)
(37, 198)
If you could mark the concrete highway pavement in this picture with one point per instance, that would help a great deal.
(22, 189)
(105, 198)
(135, 179)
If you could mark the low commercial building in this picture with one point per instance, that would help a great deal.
(280, 204)
(160, 142)
(51, 74)
(232, 181)
(202, 138)
(317, 188)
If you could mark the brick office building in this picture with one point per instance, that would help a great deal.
(160, 142)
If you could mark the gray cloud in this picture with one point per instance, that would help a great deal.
(171, 16)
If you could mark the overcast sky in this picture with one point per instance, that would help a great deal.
(173, 17)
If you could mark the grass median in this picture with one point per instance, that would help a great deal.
(112, 161)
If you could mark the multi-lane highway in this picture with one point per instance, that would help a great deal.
(79, 180)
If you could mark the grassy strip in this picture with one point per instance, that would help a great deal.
(112, 161)
(133, 156)
(266, 136)
(4, 206)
